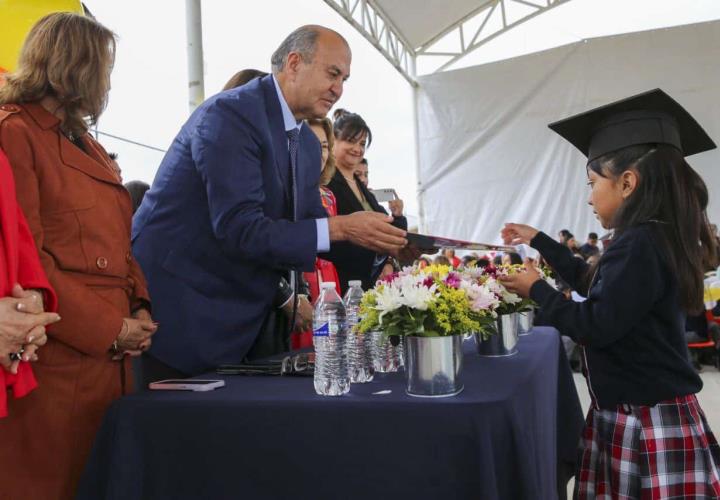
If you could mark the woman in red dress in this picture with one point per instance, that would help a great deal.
(324, 269)
(24, 291)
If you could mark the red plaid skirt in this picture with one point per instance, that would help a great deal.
(649, 452)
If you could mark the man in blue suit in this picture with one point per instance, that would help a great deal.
(235, 205)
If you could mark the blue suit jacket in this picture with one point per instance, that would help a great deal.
(214, 233)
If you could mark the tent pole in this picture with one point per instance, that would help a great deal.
(193, 26)
(416, 136)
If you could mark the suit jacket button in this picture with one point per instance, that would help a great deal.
(101, 262)
(128, 257)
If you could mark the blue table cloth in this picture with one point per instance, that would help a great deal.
(273, 437)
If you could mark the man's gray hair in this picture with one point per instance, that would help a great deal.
(303, 41)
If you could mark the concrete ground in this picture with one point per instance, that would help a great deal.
(709, 399)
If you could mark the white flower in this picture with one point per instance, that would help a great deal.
(506, 296)
(388, 299)
(418, 296)
(481, 297)
(510, 298)
(405, 290)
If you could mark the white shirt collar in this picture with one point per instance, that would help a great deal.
(288, 118)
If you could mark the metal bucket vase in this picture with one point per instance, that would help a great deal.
(504, 341)
(386, 357)
(433, 366)
(525, 321)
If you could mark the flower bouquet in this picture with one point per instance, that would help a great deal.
(432, 309)
(435, 301)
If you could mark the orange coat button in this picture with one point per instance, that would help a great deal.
(128, 257)
(101, 262)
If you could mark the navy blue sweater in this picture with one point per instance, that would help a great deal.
(631, 325)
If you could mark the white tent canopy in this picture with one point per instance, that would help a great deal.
(491, 119)
(405, 31)
(487, 156)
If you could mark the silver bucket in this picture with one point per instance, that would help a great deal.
(504, 341)
(433, 366)
(525, 321)
(386, 357)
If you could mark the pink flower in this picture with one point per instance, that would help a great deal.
(428, 282)
(389, 278)
(453, 280)
(491, 270)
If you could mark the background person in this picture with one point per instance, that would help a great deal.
(352, 137)
(362, 172)
(590, 247)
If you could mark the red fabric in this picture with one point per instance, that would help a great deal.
(19, 263)
(324, 271)
(328, 200)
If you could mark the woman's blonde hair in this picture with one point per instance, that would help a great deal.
(328, 169)
(69, 57)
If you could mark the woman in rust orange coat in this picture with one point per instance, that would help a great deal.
(79, 214)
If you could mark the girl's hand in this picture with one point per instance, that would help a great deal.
(515, 234)
(521, 283)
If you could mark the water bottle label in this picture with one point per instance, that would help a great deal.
(322, 331)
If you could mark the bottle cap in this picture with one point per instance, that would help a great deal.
(327, 284)
(353, 283)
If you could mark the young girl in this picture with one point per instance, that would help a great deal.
(645, 435)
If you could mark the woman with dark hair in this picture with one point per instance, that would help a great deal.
(564, 235)
(79, 215)
(352, 137)
(646, 435)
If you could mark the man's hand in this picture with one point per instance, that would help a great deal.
(368, 229)
(304, 316)
(521, 283)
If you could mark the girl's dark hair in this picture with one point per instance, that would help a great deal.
(349, 126)
(672, 196)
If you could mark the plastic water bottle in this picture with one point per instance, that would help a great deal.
(330, 341)
(359, 360)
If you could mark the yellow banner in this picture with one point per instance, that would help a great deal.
(16, 19)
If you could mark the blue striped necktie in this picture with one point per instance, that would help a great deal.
(293, 144)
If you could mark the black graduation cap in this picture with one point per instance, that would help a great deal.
(650, 117)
